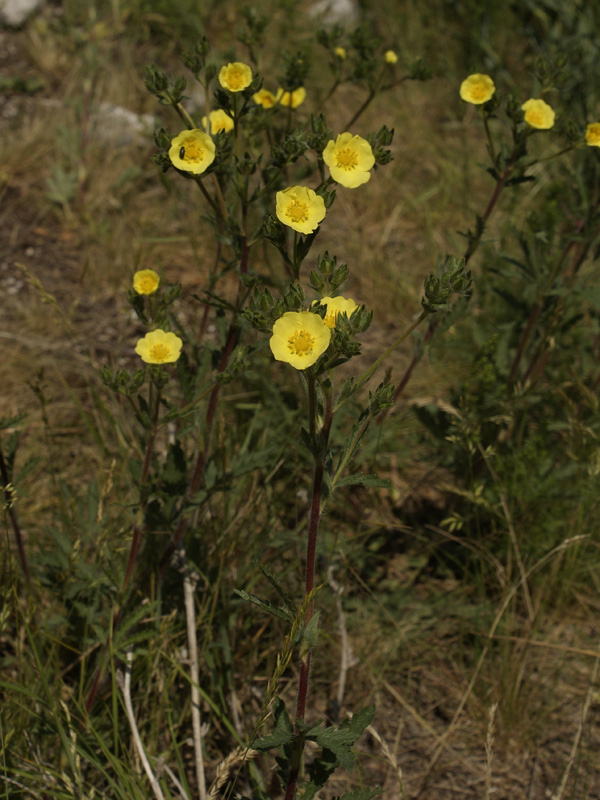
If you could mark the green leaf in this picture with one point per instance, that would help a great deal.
(364, 480)
(340, 740)
(360, 794)
(280, 613)
(11, 422)
(283, 732)
(287, 601)
(309, 637)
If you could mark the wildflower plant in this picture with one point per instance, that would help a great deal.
(269, 170)
(250, 195)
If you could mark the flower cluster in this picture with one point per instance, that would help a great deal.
(335, 307)
(267, 99)
(301, 337)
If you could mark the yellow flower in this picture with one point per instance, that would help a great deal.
(341, 52)
(219, 121)
(292, 99)
(390, 57)
(235, 76)
(159, 347)
(299, 337)
(335, 306)
(300, 208)
(192, 151)
(538, 114)
(477, 88)
(264, 98)
(592, 134)
(349, 159)
(145, 281)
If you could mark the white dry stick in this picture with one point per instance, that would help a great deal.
(348, 658)
(124, 684)
(190, 579)
(176, 782)
(584, 712)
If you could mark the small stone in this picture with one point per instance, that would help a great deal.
(335, 11)
(119, 126)
(14, 12)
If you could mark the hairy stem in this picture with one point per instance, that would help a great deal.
(309, 583)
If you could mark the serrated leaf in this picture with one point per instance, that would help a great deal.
(340, 740)
(283, 732)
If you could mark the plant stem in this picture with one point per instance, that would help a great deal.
(364, 106)
(9, 505)
(376, 364)
(473, 245)
(310, 569)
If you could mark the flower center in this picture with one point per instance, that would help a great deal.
(297, 211)
(193, 151)
(536, 118)
(301, 343)
(147, 284)
(346, 159)
(159, 352)
(235, 78)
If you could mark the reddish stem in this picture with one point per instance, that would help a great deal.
(310, 570)
(467, 256)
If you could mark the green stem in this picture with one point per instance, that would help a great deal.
(183, 114)
(376, 364)
(489, 137)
